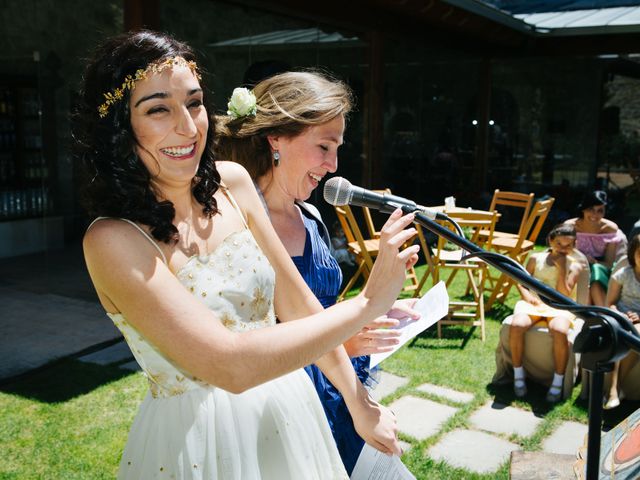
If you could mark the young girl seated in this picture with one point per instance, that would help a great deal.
(623, 294)
(557, 269)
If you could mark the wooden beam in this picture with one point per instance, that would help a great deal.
(141, 14)
(482, 133)
(373, 107)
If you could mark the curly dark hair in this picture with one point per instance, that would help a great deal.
(115, 182)
(592, 199)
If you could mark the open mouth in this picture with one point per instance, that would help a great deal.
(179, 152)
(317, 178)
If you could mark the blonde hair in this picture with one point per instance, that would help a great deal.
(288, 104)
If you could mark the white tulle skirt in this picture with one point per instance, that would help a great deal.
(277, 431)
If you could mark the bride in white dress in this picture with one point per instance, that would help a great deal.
(188, 267)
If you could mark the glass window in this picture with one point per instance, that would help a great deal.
(429, 138)
(545, 123)
(236, 42)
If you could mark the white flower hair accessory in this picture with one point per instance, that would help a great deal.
(242, 103)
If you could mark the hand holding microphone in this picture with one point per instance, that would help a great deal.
(388, 274)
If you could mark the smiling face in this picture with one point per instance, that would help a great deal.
(170, 124)
(594, 214)
(306, 158)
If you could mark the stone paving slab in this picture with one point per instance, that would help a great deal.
(420, 418)
(39, 328)
(448, 393)
(541, 466)
(498, 418)
(115, 353)
(566, 439)
(389, 383)
(475, 451)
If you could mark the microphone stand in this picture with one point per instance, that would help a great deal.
(605, 338)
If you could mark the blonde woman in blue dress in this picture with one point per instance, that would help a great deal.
(286, 132)
(187, 265)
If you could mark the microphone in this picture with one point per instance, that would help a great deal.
(339, 191)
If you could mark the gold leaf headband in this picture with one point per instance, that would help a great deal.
(142, 74)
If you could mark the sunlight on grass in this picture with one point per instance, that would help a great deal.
(70, 421)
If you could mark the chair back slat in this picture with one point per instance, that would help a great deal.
(368, 219)
(482, 225)
(538, 216)
(513, 200)
(353, 234)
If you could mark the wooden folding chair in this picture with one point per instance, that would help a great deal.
(363, 250)
(508, 203)
(466, 312)
(517, 248)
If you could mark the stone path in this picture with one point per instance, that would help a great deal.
(491, 436)
(488, 441)
(38, 328)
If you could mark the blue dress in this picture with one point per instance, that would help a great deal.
(323, 276)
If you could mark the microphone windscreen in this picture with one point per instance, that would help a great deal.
(337, 191)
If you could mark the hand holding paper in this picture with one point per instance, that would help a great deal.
(375, 465)
(432, 307)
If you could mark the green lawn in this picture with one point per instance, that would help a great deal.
(70, 421)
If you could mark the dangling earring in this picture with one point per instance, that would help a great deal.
(276, 158)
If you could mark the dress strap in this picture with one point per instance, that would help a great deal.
(227, 193)
(262, 199)
(147, 236)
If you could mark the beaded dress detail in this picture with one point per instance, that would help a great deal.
(188, 429)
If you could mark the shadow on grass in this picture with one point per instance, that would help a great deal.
(536, 393)
(63, 380)
(499, 312)
(448, 333)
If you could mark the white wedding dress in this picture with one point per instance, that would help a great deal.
(188, 429)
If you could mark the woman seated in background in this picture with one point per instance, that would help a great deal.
(600, 240)
(624, 295)
(557, 269)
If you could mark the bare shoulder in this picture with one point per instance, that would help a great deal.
(107, 232)
(608, 226)
(232, 174)
(236, 178)
(110, 240)
(571, 221)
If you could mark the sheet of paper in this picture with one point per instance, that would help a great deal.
(432, 307)
(375, 465)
